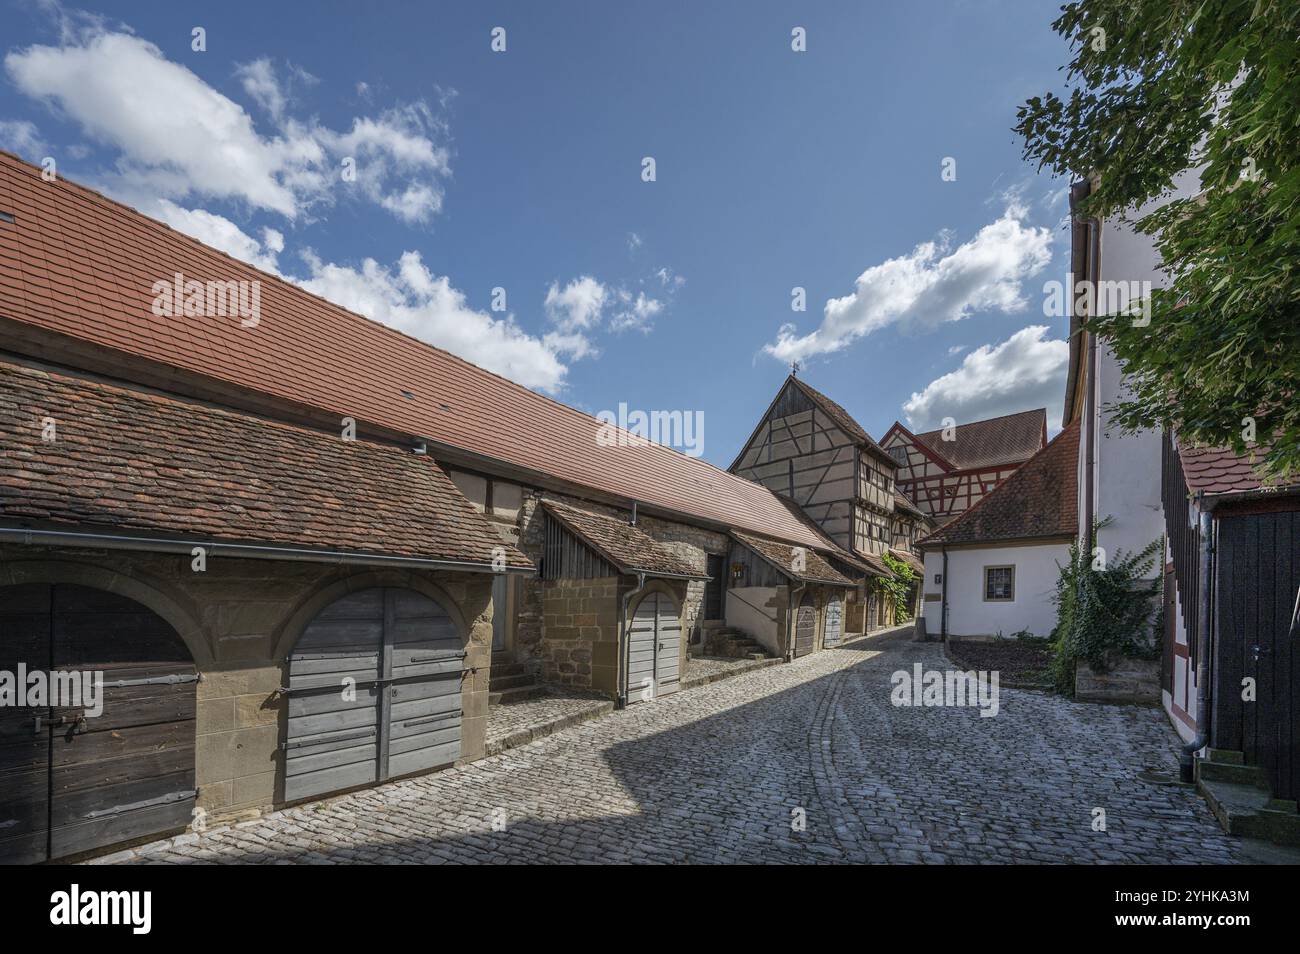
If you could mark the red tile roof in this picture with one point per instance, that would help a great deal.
(79, 264)
(783, 557)
(143, 463)
(1218, 470)
(629, 548)
(909, 558)
(1039, 500)
(1011, 439)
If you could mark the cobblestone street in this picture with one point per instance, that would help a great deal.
(720, 772)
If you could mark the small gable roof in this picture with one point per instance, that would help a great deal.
(629, 548)
(782, 557)
(1040, 500)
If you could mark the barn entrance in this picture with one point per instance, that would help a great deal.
(654, 649)
(374, 693)
(72, 780)
(805, 626)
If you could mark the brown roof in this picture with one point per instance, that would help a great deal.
(141, 462)
(909, 558)
(629, 548)
(782, 557)
(902, 502)
(874, 562)
(842, 418)
(1039, 500)
(1219, 470)
(1011, 439)
(79, 264)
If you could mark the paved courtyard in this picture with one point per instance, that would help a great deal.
(806, 762)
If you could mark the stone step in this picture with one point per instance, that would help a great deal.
(1216, 771)
(505, 697)
(499, 682)
(1250, 812)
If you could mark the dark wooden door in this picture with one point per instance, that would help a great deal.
(124, 773)
(713, 594)
(805, 626)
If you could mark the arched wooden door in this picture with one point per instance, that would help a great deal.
(374, 693)
(805, 626)
(654, 649)
(84, 772)
(834, 622)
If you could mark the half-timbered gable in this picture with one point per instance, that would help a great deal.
(945, 472)
(808, 448)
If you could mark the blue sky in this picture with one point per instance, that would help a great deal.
(522, 170)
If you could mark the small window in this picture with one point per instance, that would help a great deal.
(999, 584)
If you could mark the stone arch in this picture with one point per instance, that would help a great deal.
(140, 587)
(323, 596)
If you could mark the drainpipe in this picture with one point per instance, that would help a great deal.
(943, 601)
(1186, 763)
(621, 682)
(791, 616)
(1090, 396)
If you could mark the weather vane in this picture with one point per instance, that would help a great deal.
(794, 369)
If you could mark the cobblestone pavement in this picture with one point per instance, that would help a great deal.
(705, 669)
(718, 774)
(521, 722)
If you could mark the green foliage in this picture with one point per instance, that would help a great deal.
(1156, 87)
(1104, 613)
(898, 587)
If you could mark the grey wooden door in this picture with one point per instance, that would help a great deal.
(805, 626)
(834, 622)
(654, 649)
(374, 692)
(74, 781)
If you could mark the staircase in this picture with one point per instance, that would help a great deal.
(733, 644)
(1239, 796)
(511, 682)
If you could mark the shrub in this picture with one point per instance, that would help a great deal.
(1104, 613)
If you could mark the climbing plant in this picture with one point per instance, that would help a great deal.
(898, 587)
(1104, 610)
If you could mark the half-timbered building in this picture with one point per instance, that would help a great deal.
(947, 471)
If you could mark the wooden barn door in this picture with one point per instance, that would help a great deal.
(70, 780)
(834, 622)
(374, 692)
(805, 626)
(653, 649)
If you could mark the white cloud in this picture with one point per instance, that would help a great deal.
(635, 314)
(21, 137)
(578, 305)
(933, 284)
(1024, 372)
(412, 299)
(223, 234)
(179, 138)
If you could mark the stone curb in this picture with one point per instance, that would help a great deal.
(533, 733)
(755, 665)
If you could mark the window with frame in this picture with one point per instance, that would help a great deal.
(999, 584)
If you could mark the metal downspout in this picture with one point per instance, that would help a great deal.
(623, 648)
(1186, 761)
(943, 603)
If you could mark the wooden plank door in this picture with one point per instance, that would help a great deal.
(834, 622)
(805, 626)
(374, 692)
(128, 772)
(668, 645)
(25, 618)
(642, 639)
